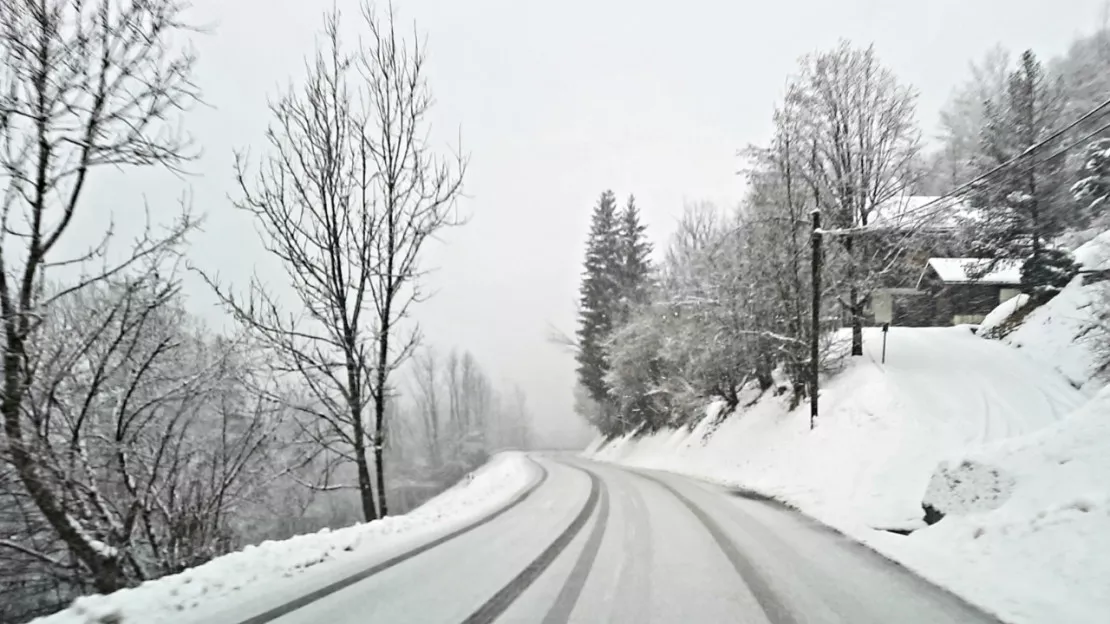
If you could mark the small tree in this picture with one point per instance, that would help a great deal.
(416, 189)
(1045, 275)
(1093, 186)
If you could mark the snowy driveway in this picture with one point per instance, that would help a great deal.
(599, 543)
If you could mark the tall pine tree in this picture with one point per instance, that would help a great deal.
(635, 274)
(599, 304)
(1026, 205)
(635, 260)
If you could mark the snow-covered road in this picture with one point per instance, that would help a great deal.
(600, 543)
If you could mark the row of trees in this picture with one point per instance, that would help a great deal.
(138, 442)
(727, 312)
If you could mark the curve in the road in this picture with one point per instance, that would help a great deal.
(311, 597)
(773, 608)
(495, 606)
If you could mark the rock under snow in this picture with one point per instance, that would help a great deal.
(1040, 555)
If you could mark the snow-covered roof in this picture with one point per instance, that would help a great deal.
(920, 211)
(970, 270)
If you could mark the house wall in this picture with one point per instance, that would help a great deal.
(954, 304)
(968, 303)
(915, 311)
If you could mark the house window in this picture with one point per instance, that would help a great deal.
(1005, 294)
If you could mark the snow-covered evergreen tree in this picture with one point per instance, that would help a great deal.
(1093, 186)
(599, 303)
(1024, 206)
(635, 255)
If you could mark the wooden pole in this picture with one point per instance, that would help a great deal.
(886, 329)
(815, 328)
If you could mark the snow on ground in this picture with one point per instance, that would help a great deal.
(1068, 330)
(1003, 312)
(1038, 552)
(997, 414)
(882, 430)
(274, 572)
(1002, 436)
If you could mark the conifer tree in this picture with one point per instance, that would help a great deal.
(599, 302)
(635, 252)
(1024, 206)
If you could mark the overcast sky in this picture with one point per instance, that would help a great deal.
(555, 102)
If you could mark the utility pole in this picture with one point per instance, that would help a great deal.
(815, 329)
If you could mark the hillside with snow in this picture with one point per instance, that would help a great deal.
(1007, 438)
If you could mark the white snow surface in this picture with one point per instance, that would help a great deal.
(1095, 253)
(1039, 552)
(965, 270)
(1070, 330)
(1006, 417)
(271, 573)
(1003, 312)
(882, 428)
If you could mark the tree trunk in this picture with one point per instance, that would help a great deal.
(107, 572)
(855, 308)
(855, 303)
(365, 485)
(763, 372)
(379, 410)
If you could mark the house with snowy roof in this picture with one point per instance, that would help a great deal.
(950, 291)
(965, 290)
(932, 281)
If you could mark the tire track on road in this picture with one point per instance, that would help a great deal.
(572, 589)
(496, 605)
(327, 590)
(634, 581)
(775, 610)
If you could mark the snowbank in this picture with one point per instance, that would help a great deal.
(1069, 330)
(258, 577)
(883, 428)
(998, 417)
(1027, 523)
(1037, 550)
(1002, 313)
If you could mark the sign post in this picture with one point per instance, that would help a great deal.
(886, 328)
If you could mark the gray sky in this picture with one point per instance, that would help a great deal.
(556, 102)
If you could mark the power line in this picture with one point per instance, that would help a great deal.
(1029, 152)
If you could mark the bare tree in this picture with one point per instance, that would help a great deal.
(313, 199)
(346, 199)
(416, 189)
(142, 428)
(84, 85)
(858, 143)
(426, 375)
(963, 118)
